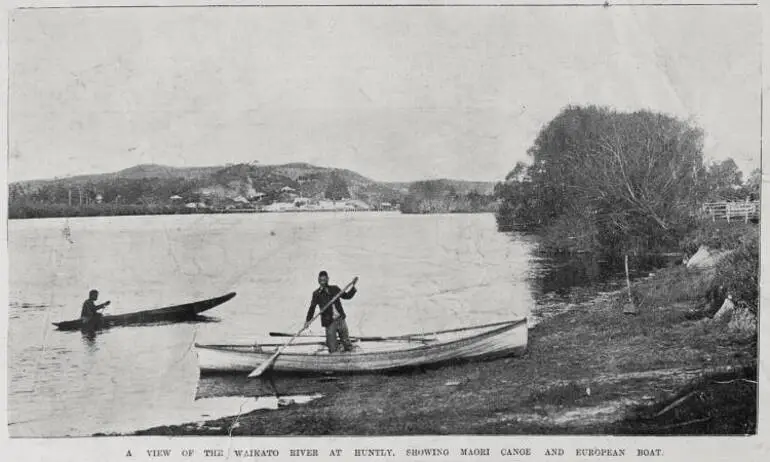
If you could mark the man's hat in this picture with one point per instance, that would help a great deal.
(323, 273)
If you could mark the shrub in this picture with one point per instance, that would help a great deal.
(719, 235)
(738, 272)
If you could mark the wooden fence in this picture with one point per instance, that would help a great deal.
(731, 211)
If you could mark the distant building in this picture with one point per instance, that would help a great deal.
(335, 205)
(357, 205)
(196, 205)
(388, 206)
(280, 207)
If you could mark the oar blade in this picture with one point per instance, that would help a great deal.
(262, 368)
(266, 365)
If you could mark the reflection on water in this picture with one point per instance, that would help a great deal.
(89, 335)
(563, 275)
(89, 339)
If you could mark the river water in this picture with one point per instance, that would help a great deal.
(416, 273)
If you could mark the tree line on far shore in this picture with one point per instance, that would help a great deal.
(440, 196)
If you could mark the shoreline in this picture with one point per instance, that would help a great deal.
(240, 212)
(588, 370)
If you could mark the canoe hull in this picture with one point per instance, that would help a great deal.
(168, 314)
(507, 340)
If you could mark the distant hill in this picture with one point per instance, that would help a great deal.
(142, 171)
(153, 185)
(164, 171)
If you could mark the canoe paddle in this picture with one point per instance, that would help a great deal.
(265, 365)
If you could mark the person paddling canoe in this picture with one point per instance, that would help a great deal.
(90, 311)
(333, 318)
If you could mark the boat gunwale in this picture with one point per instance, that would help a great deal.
(490, 333)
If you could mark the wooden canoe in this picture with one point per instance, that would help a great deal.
(469, 343)
(168, 314)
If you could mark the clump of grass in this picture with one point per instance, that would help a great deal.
(560, 395)
(673, 285)
(574, 394)
(723, 404)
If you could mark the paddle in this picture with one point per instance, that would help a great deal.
(265, 365)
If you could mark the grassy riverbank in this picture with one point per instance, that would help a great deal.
(589, 370)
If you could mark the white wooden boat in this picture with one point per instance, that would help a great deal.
(406, 351)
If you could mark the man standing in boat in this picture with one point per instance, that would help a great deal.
(90, 308)
(333, 318)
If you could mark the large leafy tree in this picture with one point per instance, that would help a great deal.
(636, 175)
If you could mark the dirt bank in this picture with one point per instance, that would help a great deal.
(589, 370)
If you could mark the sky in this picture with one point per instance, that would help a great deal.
(396, 94)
